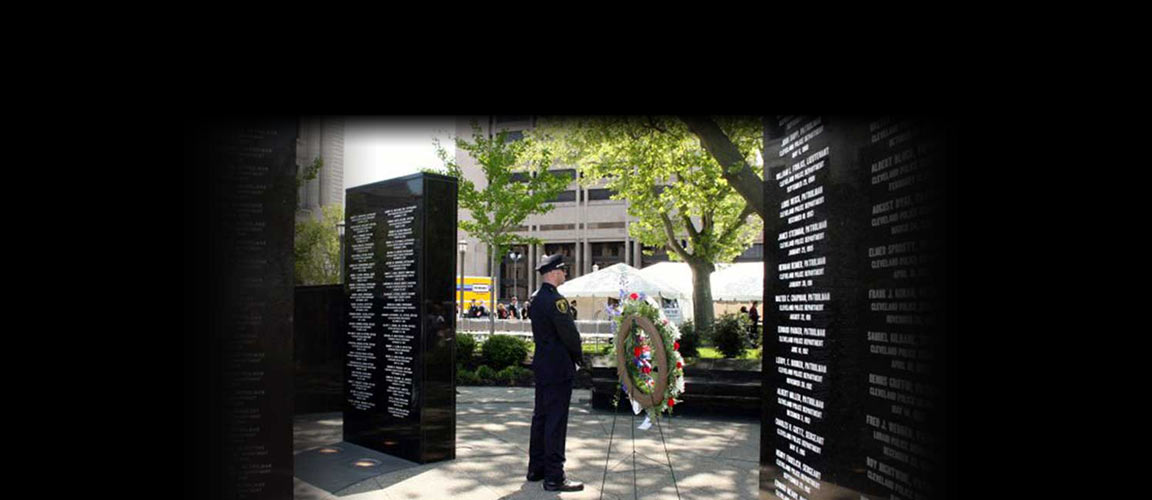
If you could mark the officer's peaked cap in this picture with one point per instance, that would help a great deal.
(551, 262)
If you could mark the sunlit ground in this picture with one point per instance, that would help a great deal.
(713, 457)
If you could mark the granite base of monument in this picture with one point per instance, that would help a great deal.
(339, 467)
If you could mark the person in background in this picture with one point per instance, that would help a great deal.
(515, 308)
(573, 310)
(501, 311)
(473, 310)
(753, 315)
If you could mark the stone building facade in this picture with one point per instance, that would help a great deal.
(588, 227)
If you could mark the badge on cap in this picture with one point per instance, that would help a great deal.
(562, 305)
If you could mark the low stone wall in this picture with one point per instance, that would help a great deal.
(711, 387)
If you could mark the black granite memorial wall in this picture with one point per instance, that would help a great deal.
(400, 259)
(239, 353)
(854, 393)
(318, 333)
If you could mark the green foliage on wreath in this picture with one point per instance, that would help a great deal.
(637, 305)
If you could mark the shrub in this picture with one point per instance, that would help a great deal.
(485, 373)
(689, 340)
(465, 377)
(524, 375)
(465, 348)
(509, 375)
(504, 350)
(730, 335)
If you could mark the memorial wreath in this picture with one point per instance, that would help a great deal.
(648, 361)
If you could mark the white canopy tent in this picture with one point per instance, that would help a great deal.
(678, 275)
(739, 282)
(736, 282)
(605, 284)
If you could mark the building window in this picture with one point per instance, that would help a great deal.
(606, 225)
(755, 253)
(564, 196)
(557, 227)
(600, 194)
(568, 250)
(607, 253)
(567, 172)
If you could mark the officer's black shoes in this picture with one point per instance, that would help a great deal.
(565, 485)
(535, 477)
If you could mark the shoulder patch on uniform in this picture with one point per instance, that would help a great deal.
(562, 305)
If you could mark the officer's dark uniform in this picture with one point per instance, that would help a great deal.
(557, 352)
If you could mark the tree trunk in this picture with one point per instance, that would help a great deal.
(702, 307)
(492, 291)
(737, 171)
(733, 167)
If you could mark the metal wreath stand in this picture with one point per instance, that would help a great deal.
(644, 400)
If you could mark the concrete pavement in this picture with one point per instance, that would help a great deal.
(713, 457)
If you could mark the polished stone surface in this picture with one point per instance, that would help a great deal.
(853, 385)
(243, 172)
(398, 374)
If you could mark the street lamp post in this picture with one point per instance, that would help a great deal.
(462, 246)
(515, 269)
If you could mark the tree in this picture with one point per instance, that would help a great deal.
(317, 247)
(308, 173)
(505, 201)
(727, 140)
(659, 166)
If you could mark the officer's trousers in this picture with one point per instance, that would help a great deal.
(549, 430)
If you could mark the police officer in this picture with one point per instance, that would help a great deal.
(554, 363)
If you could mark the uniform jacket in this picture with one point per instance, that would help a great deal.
(557, 341)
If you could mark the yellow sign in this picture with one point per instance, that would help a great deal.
(475, 287)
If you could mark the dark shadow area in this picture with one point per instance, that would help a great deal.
(337, 466)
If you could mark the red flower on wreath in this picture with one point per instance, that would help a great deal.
(676, 346)
(679, 365)
(636, 352)
(633, 296)
(647, 370)
(671, 402)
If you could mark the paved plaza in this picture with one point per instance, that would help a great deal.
(714, 457)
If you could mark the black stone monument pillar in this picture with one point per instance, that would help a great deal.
(854, 392)
(400, 260)
(240, 265)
